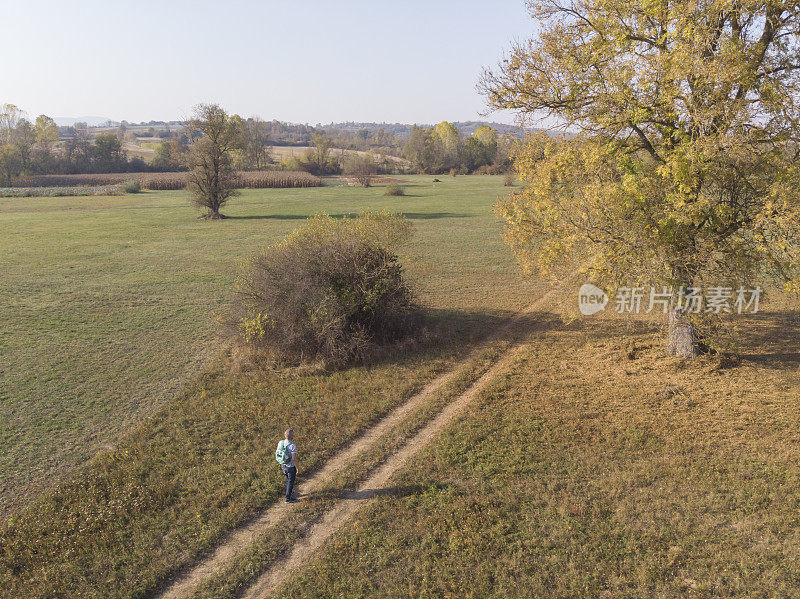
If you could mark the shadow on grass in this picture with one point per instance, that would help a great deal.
(409, 215)
(395, 491)
(455, 332)
(772, 339)
(434, 215)
(769, 339)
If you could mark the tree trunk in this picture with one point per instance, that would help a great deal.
(681, 340)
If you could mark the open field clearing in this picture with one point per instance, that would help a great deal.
(242, 359)
(587, 470)
(144, 150)
(197, 468)
(388, 444)
(114, 299)
(559, 477)
(281, 152)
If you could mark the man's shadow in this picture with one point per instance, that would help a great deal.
(393, 491)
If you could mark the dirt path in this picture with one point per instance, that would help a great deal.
(350, 503)
(241, 538)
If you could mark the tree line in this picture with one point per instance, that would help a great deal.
(42, 147)
(442, 149)
(37, 148)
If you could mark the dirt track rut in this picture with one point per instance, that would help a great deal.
(241, 538)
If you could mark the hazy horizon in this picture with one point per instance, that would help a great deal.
(317, 63)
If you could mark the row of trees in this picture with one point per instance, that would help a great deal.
(36, 148)
(22, 142)
(442, 149)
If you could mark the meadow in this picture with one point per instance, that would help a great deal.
(109, 302)
(592, 465)
(120, 294)
(593, 469)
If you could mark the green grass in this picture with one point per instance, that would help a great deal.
(108, 303)
(242, 571)
(111, 304)
(577, 474)
(589, 469)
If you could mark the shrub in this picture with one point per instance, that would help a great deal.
(508, 179)
(130, 186)
(291, 163)
(361, 168)
(492, 169)
(332, 292)
(394, 189)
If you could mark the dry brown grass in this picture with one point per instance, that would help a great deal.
(597, 467)
(172, 181)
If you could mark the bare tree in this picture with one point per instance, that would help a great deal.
(212, 179)
(361, 167)
(257, 143)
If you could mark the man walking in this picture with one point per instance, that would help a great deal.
(286, 454)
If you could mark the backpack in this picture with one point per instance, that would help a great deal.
(282, 454)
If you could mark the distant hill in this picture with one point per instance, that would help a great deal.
(91, 121)
(404, 129)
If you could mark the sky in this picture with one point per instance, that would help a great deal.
(301, 61)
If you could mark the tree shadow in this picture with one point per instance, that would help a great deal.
(409, 215)
(434, 215)
(445, 332)
(772, 339)
(768, 339)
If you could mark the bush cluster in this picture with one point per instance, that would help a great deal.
(330, 293)
(394, 189)
(131, 186)
(492, 169)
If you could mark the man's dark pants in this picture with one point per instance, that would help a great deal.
(291, 473)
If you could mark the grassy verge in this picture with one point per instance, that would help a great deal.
(584, 472)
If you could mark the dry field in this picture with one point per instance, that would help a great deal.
(568, 457)
(172, 181)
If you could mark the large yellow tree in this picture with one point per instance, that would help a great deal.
(684, 172)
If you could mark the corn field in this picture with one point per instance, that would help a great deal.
(171, 181)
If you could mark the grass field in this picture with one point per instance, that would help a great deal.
(589, 471)
(109, 302)
(594, 466)
(120, 295)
